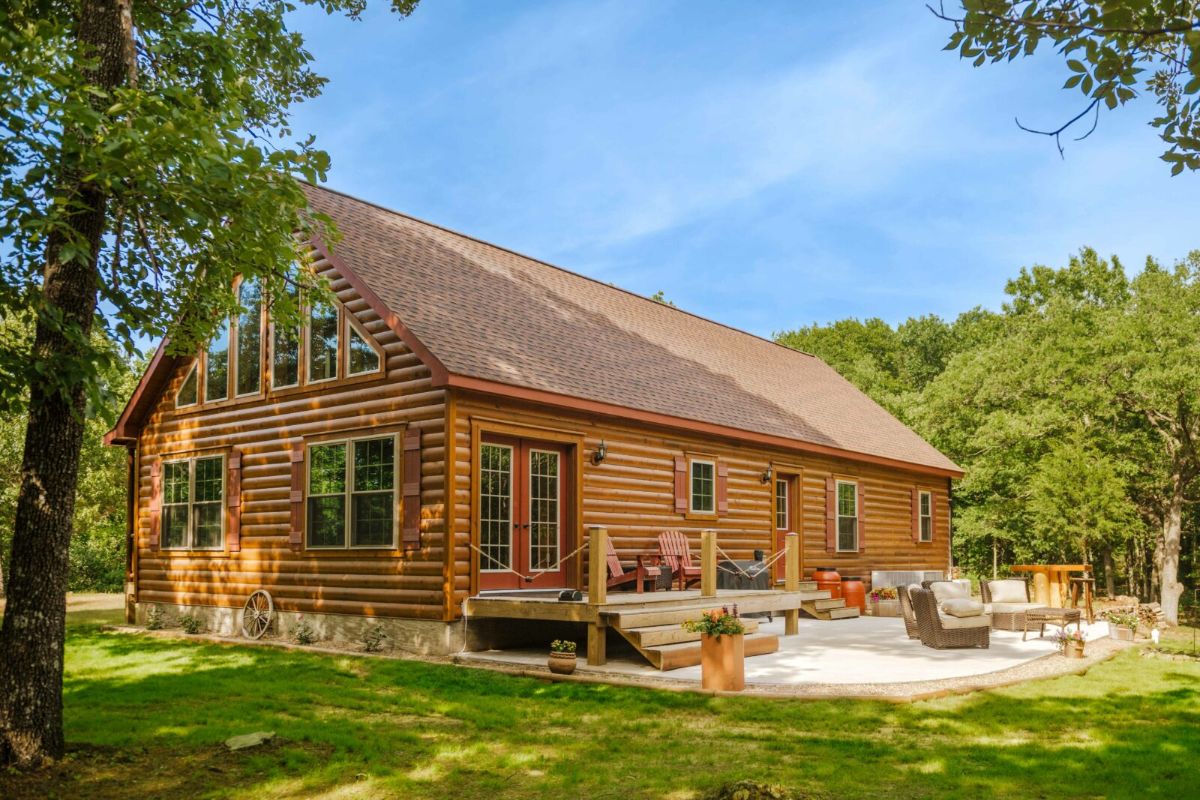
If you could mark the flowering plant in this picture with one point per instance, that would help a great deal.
(1123, 619)
(884, 593)
(716, 622)
(1070, 637)
(562, 646)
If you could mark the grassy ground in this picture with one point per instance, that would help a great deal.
(146, 718)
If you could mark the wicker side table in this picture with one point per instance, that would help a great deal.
(1044, 616)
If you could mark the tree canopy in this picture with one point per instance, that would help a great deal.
(1114, 50)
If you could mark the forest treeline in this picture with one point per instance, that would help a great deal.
(1073, 411)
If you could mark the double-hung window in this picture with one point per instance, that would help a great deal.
(704, 484)
(847, 516)
(352, 493)
(926, 516)
(192, 509)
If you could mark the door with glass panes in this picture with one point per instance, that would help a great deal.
(523, 495)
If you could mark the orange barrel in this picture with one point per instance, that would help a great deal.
(828, 580)
(855, 593)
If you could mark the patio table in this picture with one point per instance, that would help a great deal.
(1050, 581)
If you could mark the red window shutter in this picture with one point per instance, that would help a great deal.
(862, 517)
(155, 501)
(412, 488)
(722, 487)
(681, 485)
(830, 514)
(233, 532)
(932, 516)
(916, 515)
(296, 533)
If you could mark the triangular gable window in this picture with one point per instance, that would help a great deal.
(188, 392)
(364, 358)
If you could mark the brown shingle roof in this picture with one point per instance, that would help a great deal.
(490, 314)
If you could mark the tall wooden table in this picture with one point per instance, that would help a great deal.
(1051, 581)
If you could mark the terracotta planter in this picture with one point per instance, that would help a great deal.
(828, 580)
(723, 662)
(1073, 649)
(885, 608)
(561, 663)
(1122, 633)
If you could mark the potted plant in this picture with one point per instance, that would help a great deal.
(1124, 625)
(562, 657)
(722, 649)
(885, 602)
(1072, 643)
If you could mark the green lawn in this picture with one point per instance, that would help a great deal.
(145, 719)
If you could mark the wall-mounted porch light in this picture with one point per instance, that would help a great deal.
(600, 453)
(766, 476)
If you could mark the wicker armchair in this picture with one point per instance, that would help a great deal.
(944, 633)
(1007, 616)
(906, 611)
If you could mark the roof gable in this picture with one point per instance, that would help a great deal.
(489, 314)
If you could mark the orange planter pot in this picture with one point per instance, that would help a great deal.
(855, 593)
(828, 580)
(723, 662)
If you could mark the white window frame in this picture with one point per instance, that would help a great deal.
(352, 323)
(787, 504)
(692, 462)
(194, 369)
(837, 501)
(528, 468)
(306, 347)
(235, 335)
(397, 479)
(924, 505)
(189, 544)
(512, 478)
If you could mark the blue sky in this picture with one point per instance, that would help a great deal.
(767, 165)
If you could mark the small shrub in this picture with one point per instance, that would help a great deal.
(374, 638)
(562, 646)
(191, 624)
(303, 633)
(156, 618)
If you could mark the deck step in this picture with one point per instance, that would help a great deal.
(834, 608)
(687, 654)
(658, 635)
(677, 612)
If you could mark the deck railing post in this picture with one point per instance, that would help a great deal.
(791, 581)
(708, 563)
(597, 564)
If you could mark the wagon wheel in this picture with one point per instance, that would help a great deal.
(256, 614)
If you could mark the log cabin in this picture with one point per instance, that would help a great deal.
(461, 418)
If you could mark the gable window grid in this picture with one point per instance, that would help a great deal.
(362, 357)
(352, 496)
(926, 515)
(193, 494)
(703, 474)
(847, 517)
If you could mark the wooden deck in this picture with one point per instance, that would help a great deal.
(649, 621)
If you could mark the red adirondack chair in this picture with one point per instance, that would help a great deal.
(677, 555)
(646, 570)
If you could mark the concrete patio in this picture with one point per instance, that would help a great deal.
(851, 652)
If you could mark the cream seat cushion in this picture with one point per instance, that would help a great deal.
(949, 590)
(962, 607)
(1008, 591)
(980, 621)
(1009, 608)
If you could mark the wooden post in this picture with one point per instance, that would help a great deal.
(597, 565)
(708, 563)
(597, 652)
(791, 581)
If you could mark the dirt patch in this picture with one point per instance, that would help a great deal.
(111, 773)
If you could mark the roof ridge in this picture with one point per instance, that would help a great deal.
(572, 272)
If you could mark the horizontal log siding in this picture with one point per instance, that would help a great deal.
(632, 493)
(383, 583)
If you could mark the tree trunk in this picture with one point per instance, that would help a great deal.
(1167, 559)
(1110, 573)
(32, 635)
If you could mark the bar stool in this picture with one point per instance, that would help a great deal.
(1083, 585)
